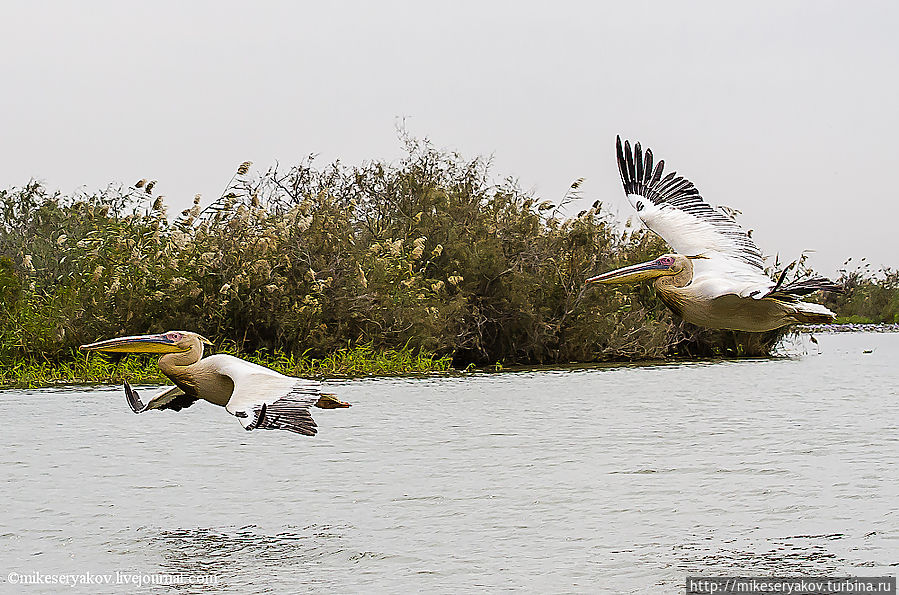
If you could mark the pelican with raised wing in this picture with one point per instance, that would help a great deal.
(716, 278)
(258, 396)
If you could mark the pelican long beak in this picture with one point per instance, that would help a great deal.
(633, 273)
(136, 344)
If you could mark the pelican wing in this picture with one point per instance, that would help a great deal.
(265, 399)
(171, 397)
(290, 412)
(672, 207)
(719, 274)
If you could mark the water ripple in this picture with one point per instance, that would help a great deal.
(616, 478)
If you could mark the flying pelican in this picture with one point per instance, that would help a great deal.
(258, 396)
(716, 278)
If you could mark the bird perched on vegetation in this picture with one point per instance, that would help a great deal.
(258, 396)
(716, 278)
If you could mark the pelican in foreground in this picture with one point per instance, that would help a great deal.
(258, 396)
(716, 278)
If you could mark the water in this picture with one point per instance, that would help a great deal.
(618, 480)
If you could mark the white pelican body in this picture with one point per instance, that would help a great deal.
(258, 396)
(716, 278)
(697, 305)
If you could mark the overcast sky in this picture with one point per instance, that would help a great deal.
(784, 110)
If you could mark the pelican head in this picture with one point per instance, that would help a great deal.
(667, 265)
(168, 342)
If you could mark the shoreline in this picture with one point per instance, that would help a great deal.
(850, 327)
(355, 363)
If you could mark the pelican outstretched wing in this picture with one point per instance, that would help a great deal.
(672, 207)
(264, 399)
(290, 412)
(727, 260)
(171, 397)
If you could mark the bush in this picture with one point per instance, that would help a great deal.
(868, 296)
(426, 254)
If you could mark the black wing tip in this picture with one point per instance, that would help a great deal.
(307, 431)
(133, 399)
(284, 414)
(640, 177)
(802, 287)
(258, 419)
(639, 174)
(819, 284)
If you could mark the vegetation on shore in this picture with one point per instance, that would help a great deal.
(869, 296)
(358, 361)
(378, 268)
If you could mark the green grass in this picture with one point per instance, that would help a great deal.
(353, 362)
(141, 369)
(854, 319)
(81, 368)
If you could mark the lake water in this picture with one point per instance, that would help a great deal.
(618, 480)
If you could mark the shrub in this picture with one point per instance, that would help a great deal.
(868, 296)
(425, 254)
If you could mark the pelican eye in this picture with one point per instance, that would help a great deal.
(175, 336)
(666, 260)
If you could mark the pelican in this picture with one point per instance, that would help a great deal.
(716, 277)
(258, 396)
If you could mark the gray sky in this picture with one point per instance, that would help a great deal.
(784, 110)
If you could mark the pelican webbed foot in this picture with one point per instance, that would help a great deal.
(329, 401)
